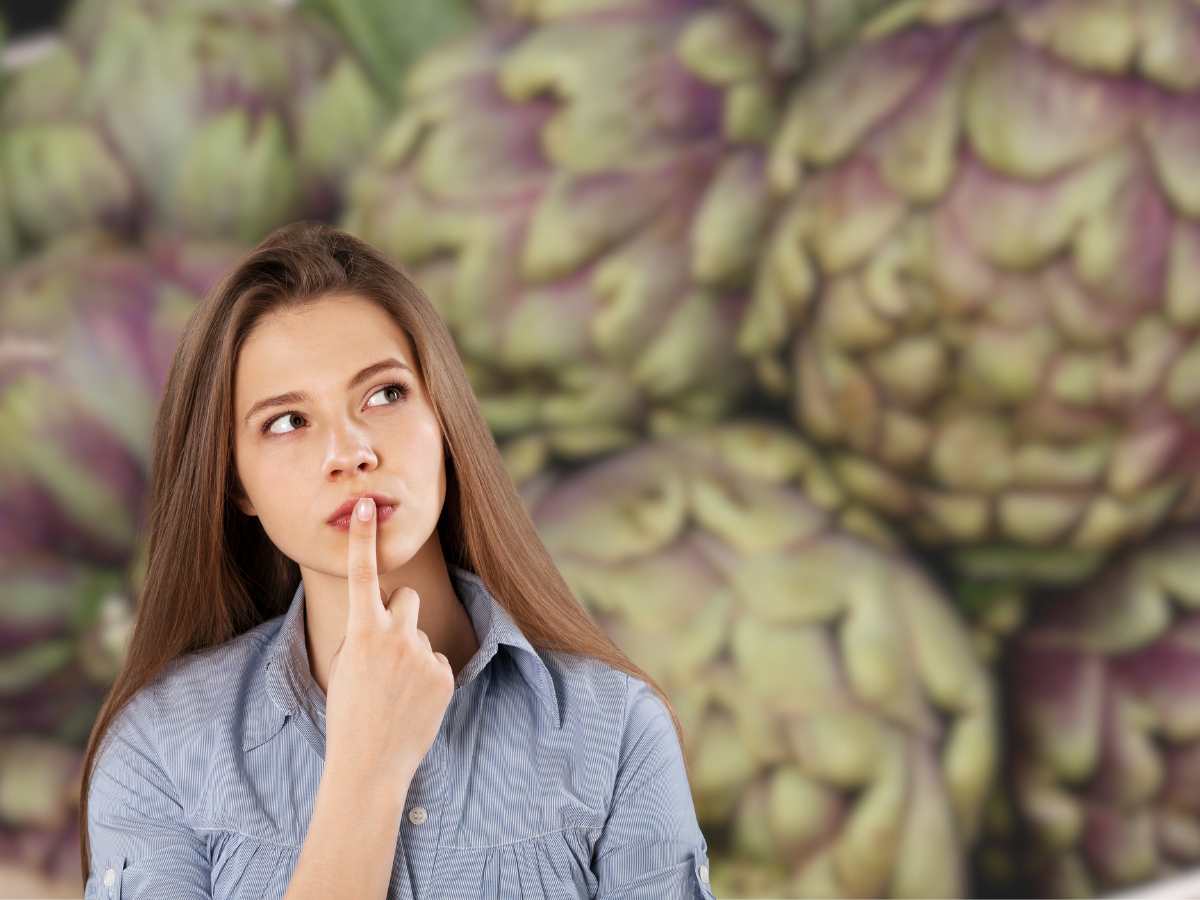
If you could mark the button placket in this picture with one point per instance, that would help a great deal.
(438, 757)
(421, 834)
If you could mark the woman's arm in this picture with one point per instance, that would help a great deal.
(651, 846)
(350, 847)
(141, 845)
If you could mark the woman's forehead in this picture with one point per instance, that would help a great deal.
(322, 344)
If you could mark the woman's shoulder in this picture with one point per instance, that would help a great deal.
(188, 714)
(195, 691)
(223, 665)
(593, 676)
(596, 693)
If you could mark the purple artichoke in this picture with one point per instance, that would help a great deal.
(1106, 748)
(87, 330)
(839, 729)
(219, 120)
(581, 190)
(983, 293)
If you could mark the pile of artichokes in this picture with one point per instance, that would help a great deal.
(846, 354)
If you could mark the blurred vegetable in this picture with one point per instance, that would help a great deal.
(64, 627)
(90, 325)
(8, 239)
(35, 781)
(388, 36)
(39, 815)
(838, 727)
(579, 187)
(220, 120)
(1107, 728)
(984, 291)
(88, 329)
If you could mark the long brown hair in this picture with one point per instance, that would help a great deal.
(212, 573)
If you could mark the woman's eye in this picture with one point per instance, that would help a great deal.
(401, 390)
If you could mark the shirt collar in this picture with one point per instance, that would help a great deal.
(286, 679)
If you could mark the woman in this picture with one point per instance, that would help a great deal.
(315, 705)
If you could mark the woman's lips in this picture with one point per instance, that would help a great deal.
(343, 524)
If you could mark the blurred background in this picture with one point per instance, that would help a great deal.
(846, 352)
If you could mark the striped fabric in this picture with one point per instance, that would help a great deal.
(553, 776)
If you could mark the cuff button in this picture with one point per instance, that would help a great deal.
(704, 872)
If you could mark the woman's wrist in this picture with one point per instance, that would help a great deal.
(382, 794)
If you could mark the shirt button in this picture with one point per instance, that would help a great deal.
(704, 873)
(417, 815)
(109, 877)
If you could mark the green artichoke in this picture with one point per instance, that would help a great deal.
(221, 120)
(840, 731)
(983, 292)
(1106, 747)
(582, 194)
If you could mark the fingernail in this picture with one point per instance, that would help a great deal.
(366, 506)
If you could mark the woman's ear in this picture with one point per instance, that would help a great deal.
(242, 501)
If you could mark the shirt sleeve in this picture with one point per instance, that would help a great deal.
(141, 846)
(651, 845)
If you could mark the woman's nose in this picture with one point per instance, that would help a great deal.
(351, 449)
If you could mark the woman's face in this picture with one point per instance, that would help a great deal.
(351, 433)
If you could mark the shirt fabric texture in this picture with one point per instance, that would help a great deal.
(553, 775)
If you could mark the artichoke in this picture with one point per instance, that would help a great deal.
(89, 328)
(219, 120)
(839, 729)
(1106, 744)
(982, 293)
(582, 194)
(87, 331)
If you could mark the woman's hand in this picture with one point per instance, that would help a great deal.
(388, 690)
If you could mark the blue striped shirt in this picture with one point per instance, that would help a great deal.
(552, 775)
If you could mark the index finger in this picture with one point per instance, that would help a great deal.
(366, 600)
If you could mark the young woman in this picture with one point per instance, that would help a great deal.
(411, 705)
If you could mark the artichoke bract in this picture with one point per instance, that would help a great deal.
(388, 36)
(581, 190)
(983, 293)
(219, 120)
(1106, 746)
(839, 729)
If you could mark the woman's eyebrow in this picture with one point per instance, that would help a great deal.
(300, 396)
